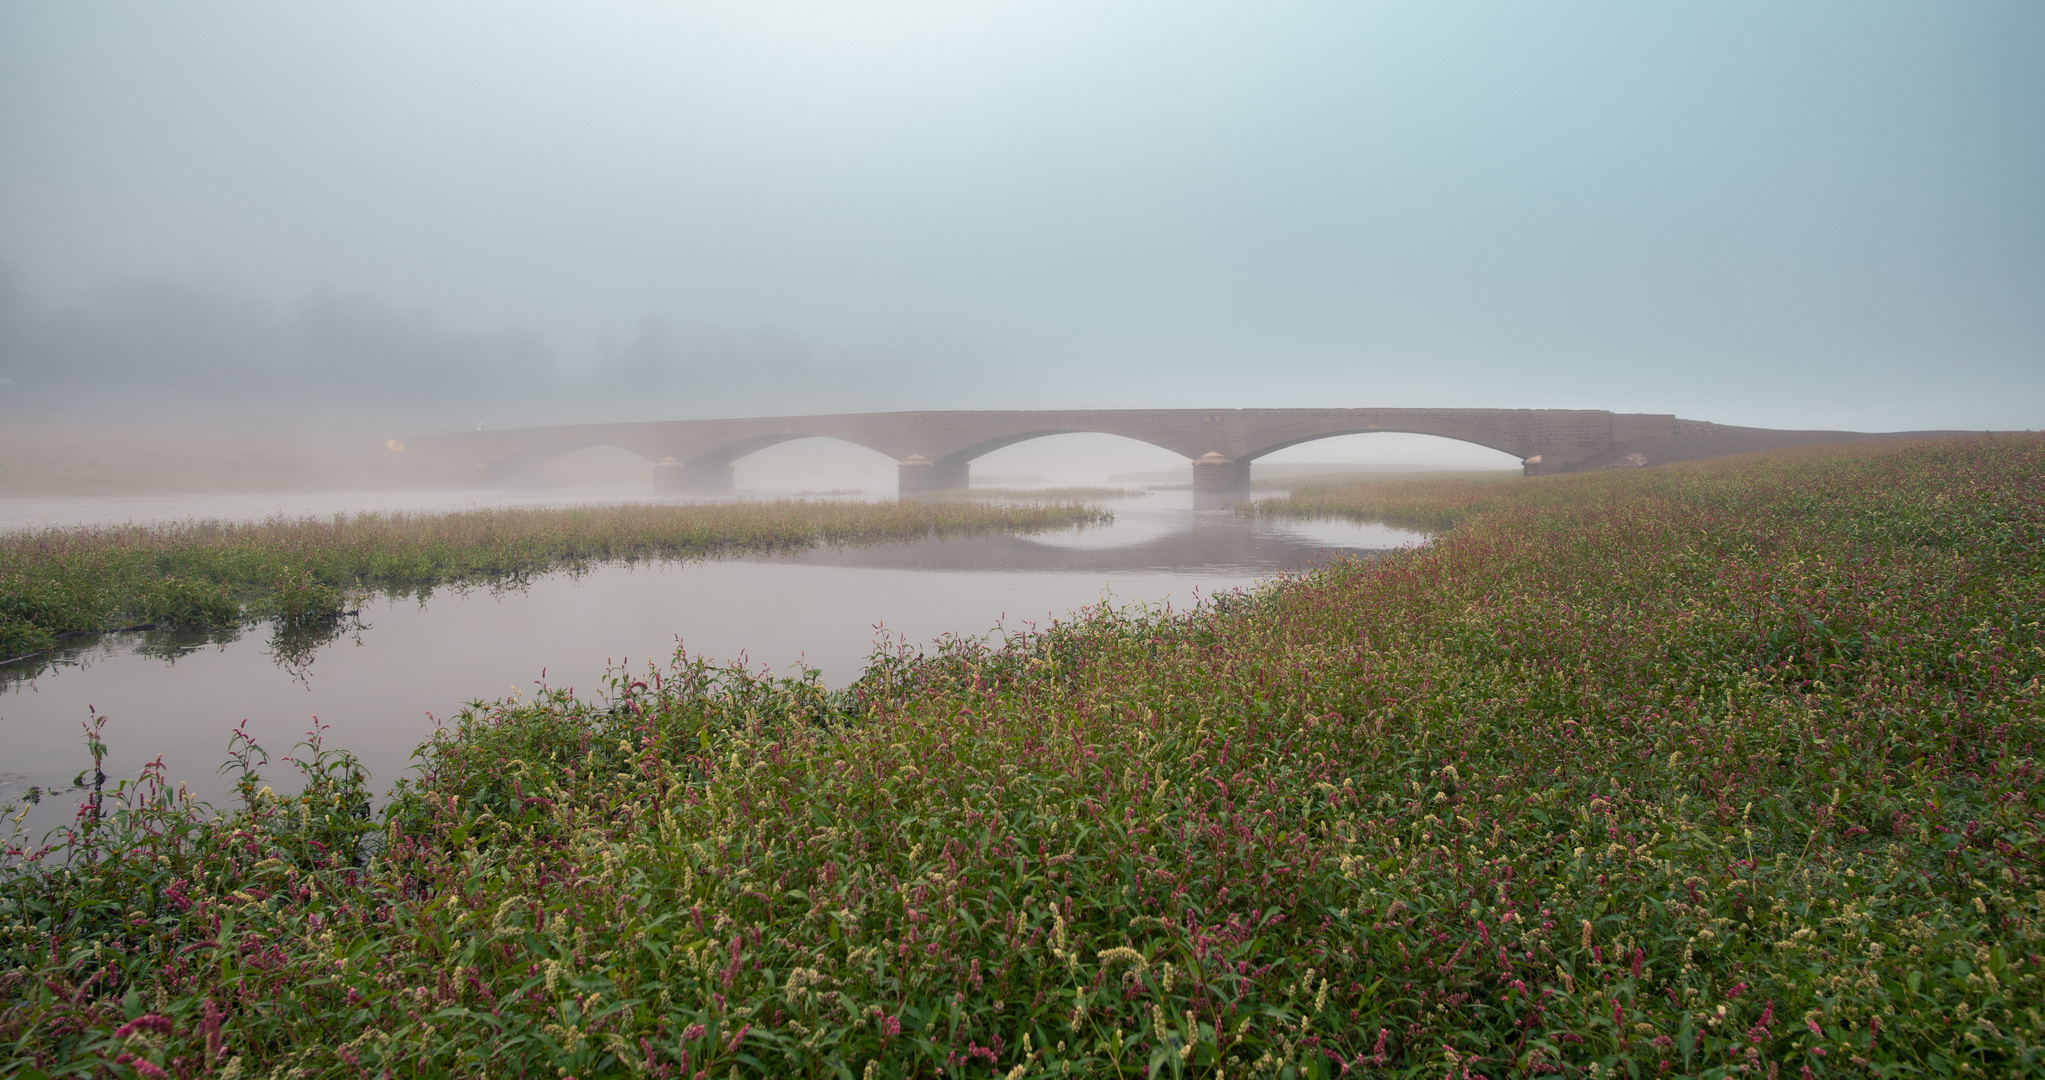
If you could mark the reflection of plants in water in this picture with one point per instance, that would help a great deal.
(294, 644)
(170, 645)
(28, 668)
(166, 645)
(76, 652)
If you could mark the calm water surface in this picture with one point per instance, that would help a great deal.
(378, 685)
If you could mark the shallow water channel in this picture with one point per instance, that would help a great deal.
(379, 683)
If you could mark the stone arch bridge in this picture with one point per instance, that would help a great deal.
(934, 450)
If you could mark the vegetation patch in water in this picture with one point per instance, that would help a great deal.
(211, 573)
(1718, 770)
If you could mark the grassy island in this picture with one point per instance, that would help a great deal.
(209, 573)
(1727, 769)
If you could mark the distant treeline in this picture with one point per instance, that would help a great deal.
(152, 338)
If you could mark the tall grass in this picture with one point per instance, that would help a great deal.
(211, 573)
(1720, 770)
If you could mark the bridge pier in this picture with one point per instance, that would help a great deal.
(1218, 482)
(918, 475)
(1212, 472)
(670, 474)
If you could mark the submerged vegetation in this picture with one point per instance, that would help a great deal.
(82, 580)
(1728, 769)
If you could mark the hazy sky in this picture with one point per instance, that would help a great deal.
(1786, 214)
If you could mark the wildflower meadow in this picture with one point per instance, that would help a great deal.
(1722, 769)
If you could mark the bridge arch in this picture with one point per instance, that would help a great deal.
(935, 449)
(1263, 452)
(953, 471)
(811, 462)
(522, 466)
(715, 468)
(1395, 448)
(1214, 467)
(1201, 438)
(1503, 441)
(1076, 456)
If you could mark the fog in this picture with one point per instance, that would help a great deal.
(231, 221)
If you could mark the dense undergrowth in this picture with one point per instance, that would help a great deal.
(1724, 769)
(82, 580)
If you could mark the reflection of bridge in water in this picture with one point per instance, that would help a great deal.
(1221, 544)
(934, 450)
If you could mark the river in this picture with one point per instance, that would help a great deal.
(380, 682)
